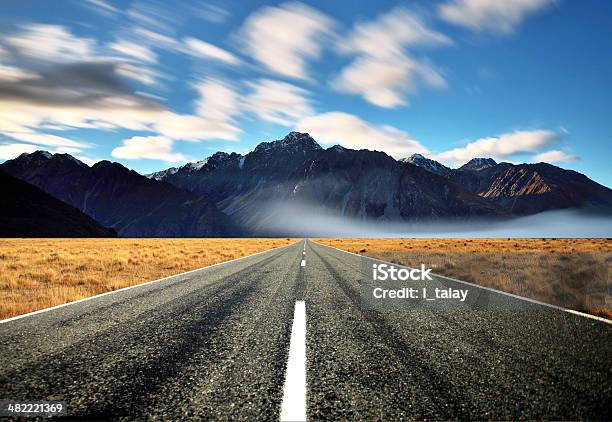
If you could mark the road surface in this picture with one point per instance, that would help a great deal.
(215, 344)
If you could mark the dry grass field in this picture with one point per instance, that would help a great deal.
(574, 273)
(39, 273)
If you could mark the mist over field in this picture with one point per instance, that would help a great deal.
(312, 221)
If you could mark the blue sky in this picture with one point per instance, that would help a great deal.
(154, 84)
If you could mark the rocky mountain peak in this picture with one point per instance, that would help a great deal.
(41, 156)
(478, 164)
(427, 164)
(292, 142)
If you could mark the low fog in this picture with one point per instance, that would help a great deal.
(303, 220)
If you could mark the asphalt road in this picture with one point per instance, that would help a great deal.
(214, 344)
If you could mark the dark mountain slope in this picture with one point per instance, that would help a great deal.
(120, 198)
(27, 211)
(370, 184)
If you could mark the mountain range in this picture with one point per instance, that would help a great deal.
(134, 205)
(229, 194)
(26, 211)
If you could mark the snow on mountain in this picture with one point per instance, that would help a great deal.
(189, 167)
(160, 175)
(478, 164)
(427, 164)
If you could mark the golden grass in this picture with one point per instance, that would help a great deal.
(573, 273)
(40, 273)
(470, 245)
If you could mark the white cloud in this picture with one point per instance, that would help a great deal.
(10, 151)
(500, 16)
(50, 42)
(385, 81)
(154, 39)
(218, 99)
(278, 102)
(390, 34)
(352, 132)
(141, 74)
(87, 160)
(284, 38)
(214, 115)
(499, 147)
(554, 156)
(188, 127)
(102, 6)
(203, 49)
(134, 50)
(211, 12)
(88, 97)
(383, 72)
(157, 15)
(148, 147)
(45, 139)
(11, 73)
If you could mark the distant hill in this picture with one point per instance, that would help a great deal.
(27, 211)
(134, 205)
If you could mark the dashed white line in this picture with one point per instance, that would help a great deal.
(293, 407)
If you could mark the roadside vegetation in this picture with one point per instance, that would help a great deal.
(573, 273)
(40, 273)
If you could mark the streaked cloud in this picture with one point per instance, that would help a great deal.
(215, 109)
(500, 147)
(156, 15)
(12, 73)
(153, 38)
(386, 81)
(49, 42)
(134, 50)
(69, 96)
(206, 50)
(101, 6)
(210, 12)
(351, 131)
(389, 35)
(189, 127)
(45, 139)
(13, 150)
(384, 72)
(148, 147)
(142, 74)
(284, 38)
(278, 102)
(555, 156)
(491, 15)
(91, 95)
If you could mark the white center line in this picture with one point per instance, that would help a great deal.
(303, 263)
(293, 407)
